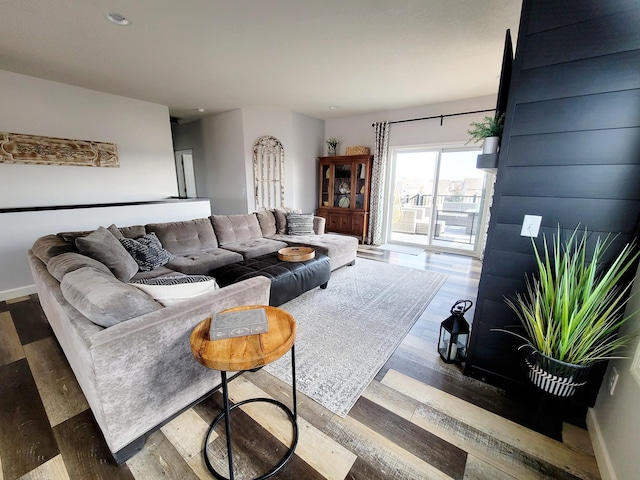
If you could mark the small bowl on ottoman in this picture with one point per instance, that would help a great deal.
(296, 254)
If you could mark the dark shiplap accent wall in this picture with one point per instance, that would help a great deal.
(570, 153)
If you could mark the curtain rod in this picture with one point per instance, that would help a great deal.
(441, 117)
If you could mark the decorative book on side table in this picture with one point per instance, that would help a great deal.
(238, 324)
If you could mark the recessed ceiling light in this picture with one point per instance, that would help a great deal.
(201, 110)
(333, 107)
(117, 19)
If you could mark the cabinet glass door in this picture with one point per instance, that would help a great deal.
(342, 186)
(361, 185)
(325, 189)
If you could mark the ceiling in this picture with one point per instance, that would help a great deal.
(300, 55)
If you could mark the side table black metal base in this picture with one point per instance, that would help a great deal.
(292, 414)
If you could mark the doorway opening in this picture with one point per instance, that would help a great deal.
(185, 173)
(438, 199)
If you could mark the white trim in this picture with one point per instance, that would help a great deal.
(599, 447)
(17, 292)
(635, 366)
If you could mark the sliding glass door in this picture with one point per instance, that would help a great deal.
(437, 199)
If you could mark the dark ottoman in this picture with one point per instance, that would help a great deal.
(288, 279)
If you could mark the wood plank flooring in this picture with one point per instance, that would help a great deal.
(419, 419)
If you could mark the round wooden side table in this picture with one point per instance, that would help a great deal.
(250, 352)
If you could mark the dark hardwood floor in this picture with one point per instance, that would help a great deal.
(419, 419)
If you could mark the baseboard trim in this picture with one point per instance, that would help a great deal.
(599, 447)
(17, 292)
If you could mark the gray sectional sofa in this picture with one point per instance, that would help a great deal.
(130, 350)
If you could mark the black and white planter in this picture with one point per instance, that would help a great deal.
(554, 376)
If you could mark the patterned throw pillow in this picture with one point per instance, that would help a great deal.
(299, 224)
(173, 280)
(171, 290)
(147, 251)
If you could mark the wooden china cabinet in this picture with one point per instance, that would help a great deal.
(344, 193)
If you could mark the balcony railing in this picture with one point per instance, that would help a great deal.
(457, 217)
(465, 202)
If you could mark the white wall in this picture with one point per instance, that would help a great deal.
(223, 153)
(357, 130)
(223, 141)
(306, 147)
(189, 136)
(614, 422)
(140, 130)
(142, 133)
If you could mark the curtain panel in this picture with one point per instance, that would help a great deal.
(378, 179)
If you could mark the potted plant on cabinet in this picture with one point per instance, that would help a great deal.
(332, 146)
(572, 310)
(488, 131)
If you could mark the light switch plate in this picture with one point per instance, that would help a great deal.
(531, 226)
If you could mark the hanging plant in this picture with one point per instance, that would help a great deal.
(489, 127)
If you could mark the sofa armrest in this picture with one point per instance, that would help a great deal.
(144, 369)
(319, 224)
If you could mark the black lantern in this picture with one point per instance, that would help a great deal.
(454, 334)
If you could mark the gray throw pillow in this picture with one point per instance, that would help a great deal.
(115, 231)
(267, 221)
(299, 224)
(281, 221)
(103, 299)
(60, 265)
(147, 251)
(104, 247)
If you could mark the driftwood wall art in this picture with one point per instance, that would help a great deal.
(38, 150)
(268, 170)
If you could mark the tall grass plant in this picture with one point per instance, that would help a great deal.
(572, 308)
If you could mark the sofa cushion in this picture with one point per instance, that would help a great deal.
(256, 247)
(49, 246)
(105, 248)
(267, 221)
(71, 236)
(147, 251)
(171, 290)
(185, 237)
(201, 263)
(60, 265)
(319, 225)
(134, 231)
(103, 299)
(115, 231)
(235, 228)
(341, 249)
(299, 224)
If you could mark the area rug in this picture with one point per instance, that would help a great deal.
(348, 331)
(402, 248)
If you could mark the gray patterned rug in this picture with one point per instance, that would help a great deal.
(347, 332)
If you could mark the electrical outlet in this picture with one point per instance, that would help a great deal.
(613, 380)
(531, 226)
